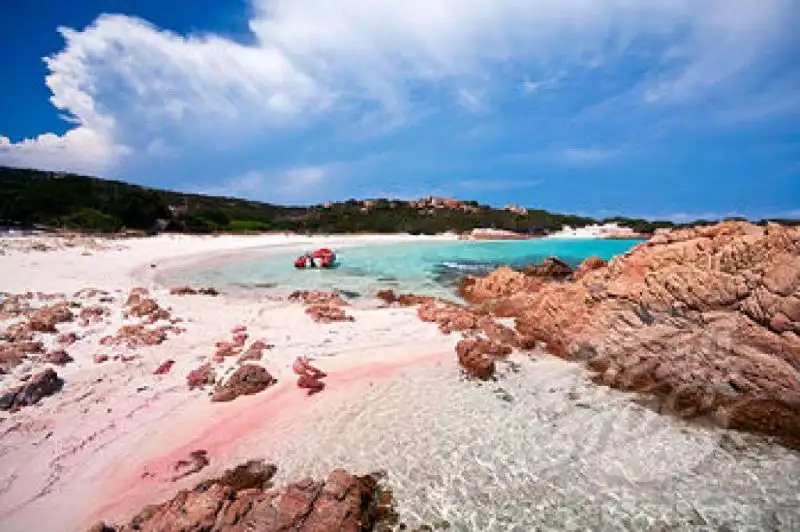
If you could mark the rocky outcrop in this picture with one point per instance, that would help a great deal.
(140, 305)
(39, 386)
(504, 282)
(46, 318)
(243, 499)
(477, 356)
(134, 336)
(59, 357)
(189, 291)
(551, 268)
(93, 314)
(13, 353)
(589, 265)
(403, 300)
(328, 313)
(317, 298)
(707, 319)
(248, 379)
(322, 307)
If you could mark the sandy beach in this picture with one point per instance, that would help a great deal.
(498, 435)
(106, 444)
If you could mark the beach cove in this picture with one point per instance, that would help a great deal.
(541, 446)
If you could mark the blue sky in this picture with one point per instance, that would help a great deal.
(659, 108)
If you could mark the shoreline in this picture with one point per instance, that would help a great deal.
(111, 419)
(110, 442)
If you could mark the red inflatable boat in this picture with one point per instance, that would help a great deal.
(321, 258)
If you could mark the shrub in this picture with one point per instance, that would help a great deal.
(248, 225)
(93, 220)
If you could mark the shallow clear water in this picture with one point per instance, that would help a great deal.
(541, 449)
(423, 268)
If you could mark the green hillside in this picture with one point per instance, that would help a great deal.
(60, 200)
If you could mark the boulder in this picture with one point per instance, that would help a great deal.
(67, 338)
(46, 318)
(201, 377)
(706, 319)
(328, 313)
(477, 356)
(40, 385)
(243, 499)
(312, 297)
(551, 268)
(93, 314)
(164, 367)
(248, 379)
(501, 283)
(59, 357)
(589, 265)
(13, 353)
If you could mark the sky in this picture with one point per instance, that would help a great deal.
(678, 109)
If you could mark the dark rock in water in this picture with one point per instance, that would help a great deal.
(41, 385)
(242, 499)
(349, 294)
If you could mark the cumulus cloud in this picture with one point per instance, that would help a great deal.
(129, 87)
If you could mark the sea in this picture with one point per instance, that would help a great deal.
(540, 448)
(425, 268)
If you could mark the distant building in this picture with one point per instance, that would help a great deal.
(517, 209)
(436, 202)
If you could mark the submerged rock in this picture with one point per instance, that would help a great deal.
(312, 297)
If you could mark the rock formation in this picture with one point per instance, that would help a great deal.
(41, 385)
(248, 379)
(201, 377)
(244, 499)
(477, 356)
(328, 313)
(551, 268)
(707, 319)
(46, 318)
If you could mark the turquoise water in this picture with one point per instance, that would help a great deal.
(422, 268)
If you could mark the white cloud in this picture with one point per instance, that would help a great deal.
(535, 87)
(472, 101)
(124, 82)
(588, 156)
(79, 150)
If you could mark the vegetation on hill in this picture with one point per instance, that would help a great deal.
(60, 200)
